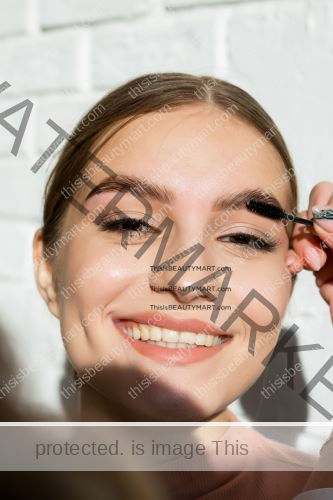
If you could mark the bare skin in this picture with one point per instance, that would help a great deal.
(173, 397)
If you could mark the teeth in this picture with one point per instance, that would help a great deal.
(181, 345)
(187, 337)
(209, 341)
(171, 339)
(169, 335)
(171, 345)
(201, 339)
(144, 332)
(155, 334)
(136, 334)
(217, 340)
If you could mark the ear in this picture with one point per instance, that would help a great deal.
(43, 275)
(294, 262)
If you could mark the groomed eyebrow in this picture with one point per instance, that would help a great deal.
(136, 185)
(143, 187)
(239, 200)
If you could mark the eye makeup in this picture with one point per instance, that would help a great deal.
(116, 224)
(273, 212)
(243, 239)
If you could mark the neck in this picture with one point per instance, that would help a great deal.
(95, 408)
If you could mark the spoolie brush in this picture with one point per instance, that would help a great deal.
(273, 212)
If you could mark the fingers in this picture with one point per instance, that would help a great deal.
(326, 291)
(308, 247)
(321, 194)
(320, 238)
(323, 223)
(294, 262)
(326, 272)
(321, 209)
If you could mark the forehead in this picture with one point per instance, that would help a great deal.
(191, 147)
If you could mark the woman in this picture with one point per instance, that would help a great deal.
(174, 168)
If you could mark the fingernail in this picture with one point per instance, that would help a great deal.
(313, 258)
(309, 230)
(323, 218)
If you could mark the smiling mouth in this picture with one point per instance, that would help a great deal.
(171, 339)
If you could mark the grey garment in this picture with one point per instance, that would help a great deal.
(322, 494)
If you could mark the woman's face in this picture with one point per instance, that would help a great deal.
(184, 164)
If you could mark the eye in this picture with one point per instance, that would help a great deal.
(115, 224)
(250, 240)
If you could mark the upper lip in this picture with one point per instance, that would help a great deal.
(176, 323)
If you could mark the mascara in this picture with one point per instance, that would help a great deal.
(273, 212)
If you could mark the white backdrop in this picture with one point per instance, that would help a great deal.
(65, 55)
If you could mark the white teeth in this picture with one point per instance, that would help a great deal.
(136, 334)
(181, 345)
(169, 335)
(144, 332)
(161, 344)
(209, 341)
(187, 337)
(171, 339)
(201, 339)
(217, 340)
(155, 334)
(171, 345)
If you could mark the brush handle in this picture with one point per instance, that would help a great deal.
(300, 220)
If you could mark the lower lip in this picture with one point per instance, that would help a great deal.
(163, 354)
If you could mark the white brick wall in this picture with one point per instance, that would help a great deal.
(84, 12)
(63, 55)
(43, 63)
(14, 18)
(148, 40)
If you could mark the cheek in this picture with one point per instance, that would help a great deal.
(92, 276)
(98, 274)
(270, 278)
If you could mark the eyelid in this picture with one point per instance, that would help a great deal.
(249, 229)
(117, 224)
(124, 216)
(245, 233)
(267, 245)
(242, 227)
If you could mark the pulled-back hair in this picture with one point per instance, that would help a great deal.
(151, 93)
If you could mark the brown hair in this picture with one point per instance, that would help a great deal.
(171, 90)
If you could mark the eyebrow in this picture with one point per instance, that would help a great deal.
(239, 200)
(162, 194)
(140, 186)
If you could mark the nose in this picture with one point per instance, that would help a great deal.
(192, 280)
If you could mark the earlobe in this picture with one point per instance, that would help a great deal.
(293, 262)
(43, 274)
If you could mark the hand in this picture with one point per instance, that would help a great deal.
(314, 245)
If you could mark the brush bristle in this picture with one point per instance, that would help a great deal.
(266, 209)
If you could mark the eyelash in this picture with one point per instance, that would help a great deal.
(124, 224)
(252, 241)
(131, 224)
